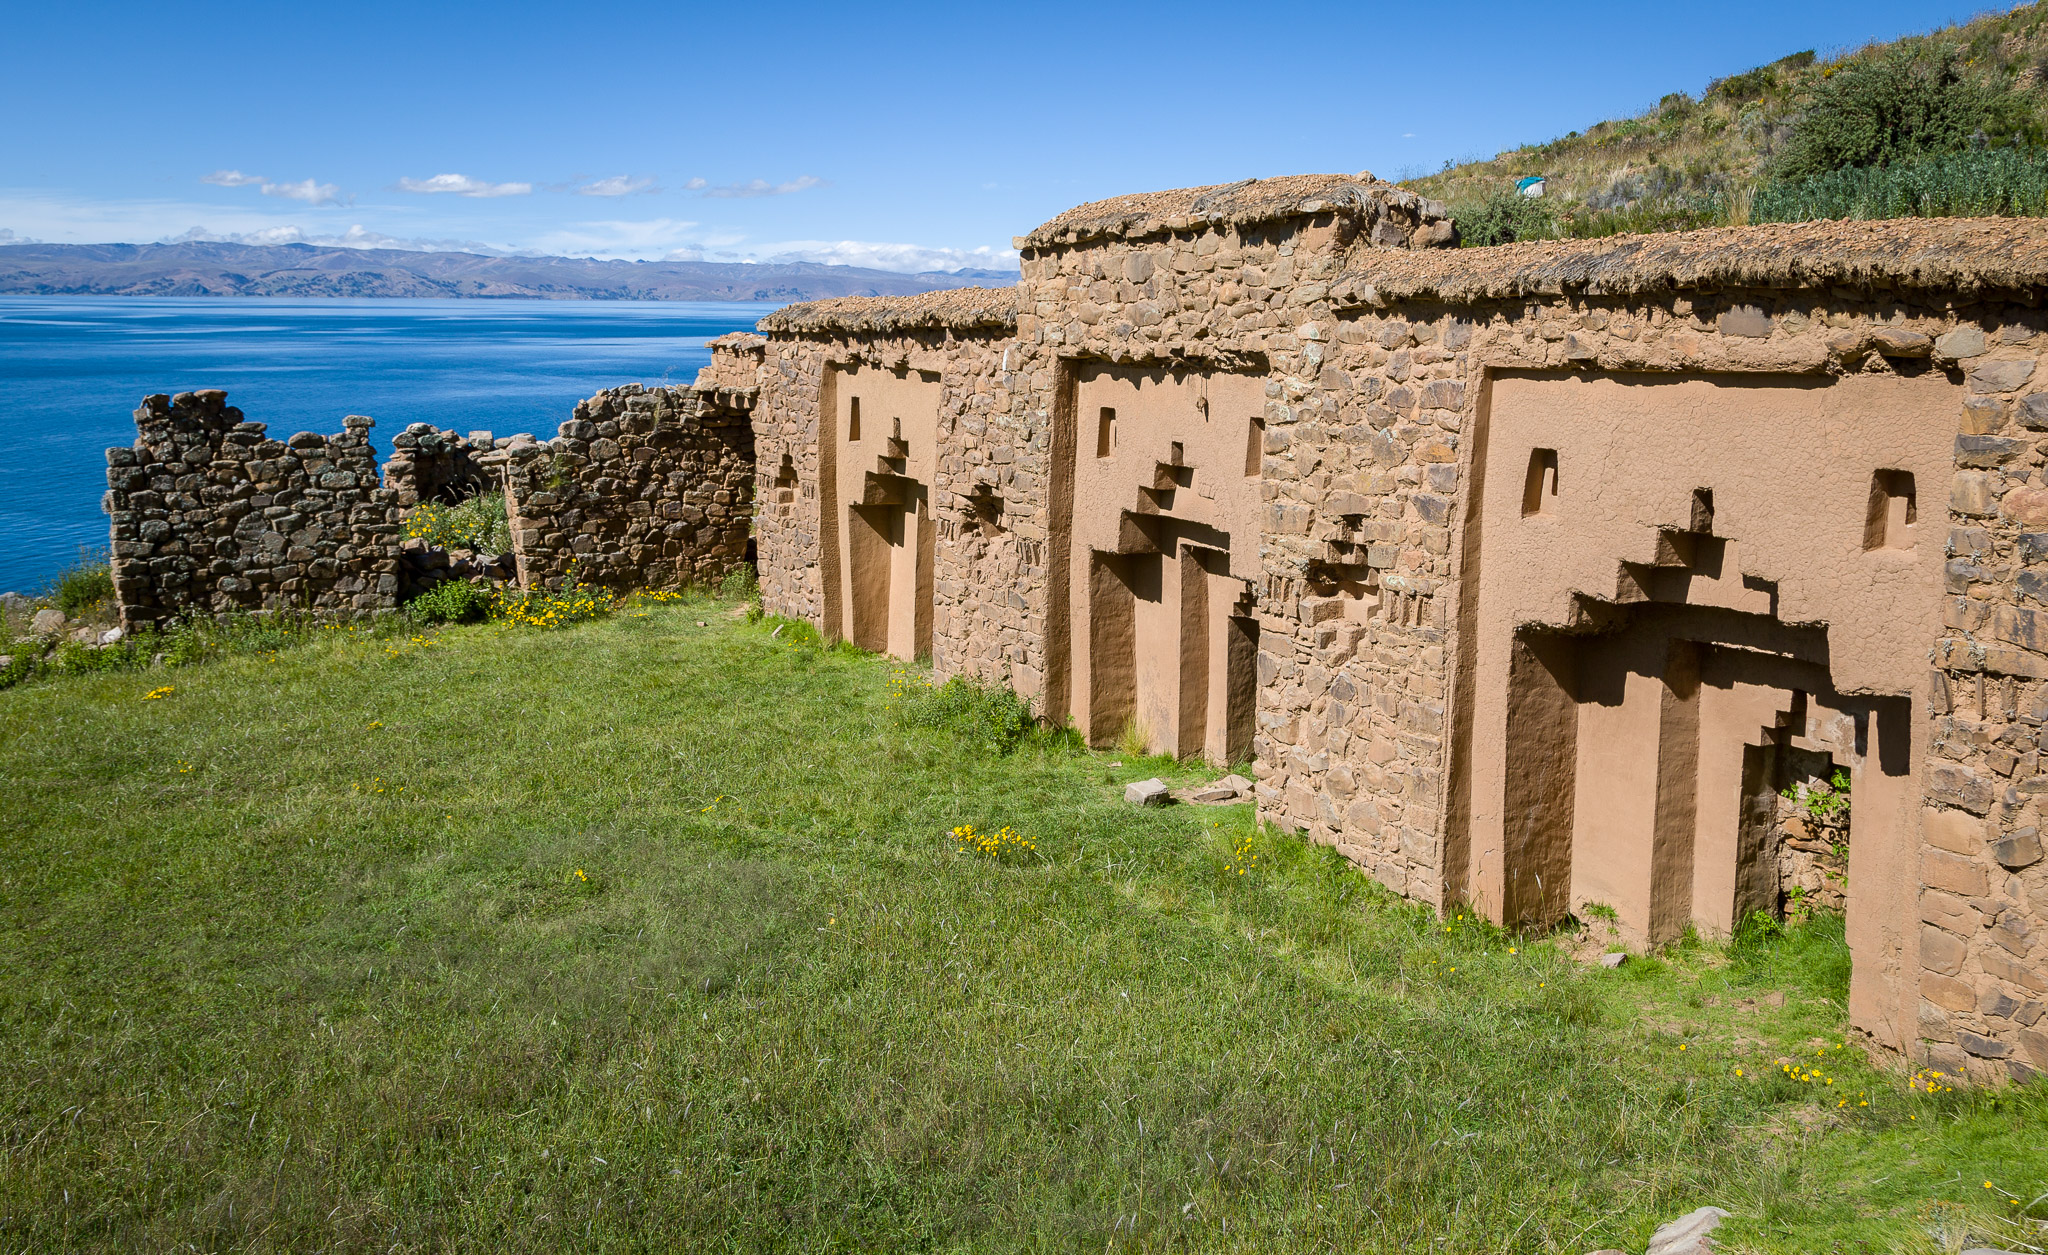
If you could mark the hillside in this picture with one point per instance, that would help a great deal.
(305, 270)
(1701, 161)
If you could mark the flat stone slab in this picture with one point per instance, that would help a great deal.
(1151, 792)
(1687, 1235)
(1225, 792)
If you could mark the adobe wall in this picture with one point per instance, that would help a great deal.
(969, 470)
(1724, 573)
(208, 514)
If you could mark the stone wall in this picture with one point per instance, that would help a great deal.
(430, 463)
(1378, 363)
(210, 515)
(643, 487)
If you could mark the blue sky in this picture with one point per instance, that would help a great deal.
(905, 136)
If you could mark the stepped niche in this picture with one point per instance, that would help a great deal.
(1694, 592)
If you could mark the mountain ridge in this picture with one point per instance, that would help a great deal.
(203, 268)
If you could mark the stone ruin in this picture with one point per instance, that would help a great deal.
(1531, 578)
(641, 488)
(1536, 579)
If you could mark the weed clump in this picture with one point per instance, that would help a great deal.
(479, 523)
(86, 586)
(456, 601)
(989, 716)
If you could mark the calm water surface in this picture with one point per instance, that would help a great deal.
(72, 370)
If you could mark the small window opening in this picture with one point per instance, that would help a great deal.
(1179, 455)
(853, 424)
(1893, 509)
(1702, 511)
(1539, 489)
(1105, 433)
(1255, 448)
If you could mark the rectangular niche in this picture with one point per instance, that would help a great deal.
(1539, 486)
(1893, 509)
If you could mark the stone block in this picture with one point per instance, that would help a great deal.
(1981, 1046)
(2002, 376)
(1151, 792)
(1941, 952)
(1956, 831)
(2020, 850)
(1954, 872)
(1947, 993)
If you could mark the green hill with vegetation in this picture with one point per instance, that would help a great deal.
(1948, 123)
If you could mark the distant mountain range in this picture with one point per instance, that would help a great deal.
(205, 269)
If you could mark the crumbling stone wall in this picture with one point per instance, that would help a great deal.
(643, 487)
(210, 515)
(430, 463)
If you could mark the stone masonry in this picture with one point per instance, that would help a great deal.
(1379, 359)
(643, 488)
(211, 515)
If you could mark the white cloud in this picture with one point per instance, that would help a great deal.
(696, 185)
(9, 237)
(905, 258)
(357, 236)
(310, 191)
(758, 187)
(617, 185)
(637, 240)
(462, 185)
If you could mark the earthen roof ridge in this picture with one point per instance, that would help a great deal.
(1962, 255)
(950, 309)
(1226, 204)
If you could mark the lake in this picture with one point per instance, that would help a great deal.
(72, 370)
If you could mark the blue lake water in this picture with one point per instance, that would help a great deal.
(72, 370)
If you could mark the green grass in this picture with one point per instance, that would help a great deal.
(640, 935)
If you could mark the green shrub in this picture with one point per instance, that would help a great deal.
(1504, 218)
(456, 601)
(990, 716)
(2002, 182)
(478, 523)
(740, 584)
(1911, 102)
(84, 585)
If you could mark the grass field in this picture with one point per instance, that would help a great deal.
(645, 935)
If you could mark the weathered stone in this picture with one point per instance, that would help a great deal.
(1687, 1235)
(1151, 792)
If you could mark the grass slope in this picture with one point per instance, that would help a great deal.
(651, 935)
(1689, 163)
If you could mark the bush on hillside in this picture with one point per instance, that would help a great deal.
(1999, 182)
(1503, 218)
(1909, 103)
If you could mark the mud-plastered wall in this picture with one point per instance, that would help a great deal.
(902, 504)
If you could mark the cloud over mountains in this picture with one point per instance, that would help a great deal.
(463, 185)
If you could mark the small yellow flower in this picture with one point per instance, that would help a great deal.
(374, 725)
